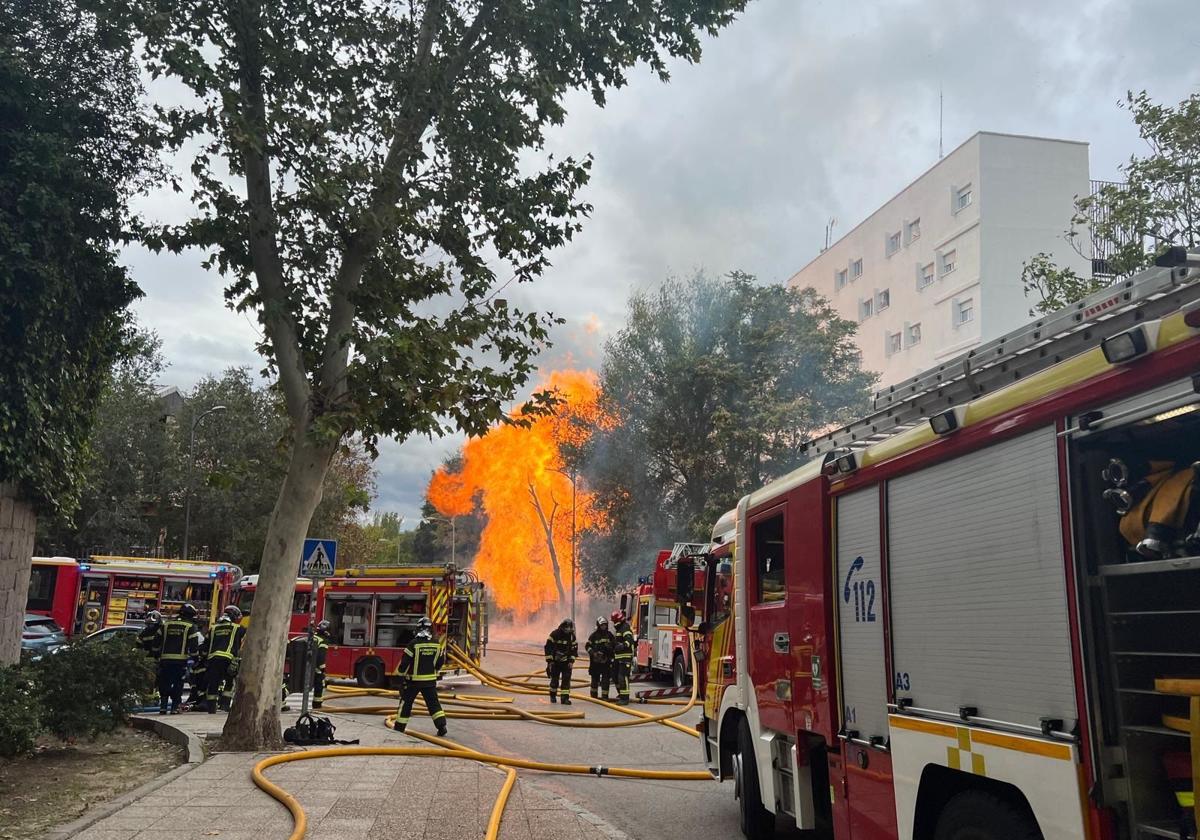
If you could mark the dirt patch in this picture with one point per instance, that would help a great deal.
(62, 781)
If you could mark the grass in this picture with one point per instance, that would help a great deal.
(61, 781)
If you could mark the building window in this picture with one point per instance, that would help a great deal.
(893, 243)
(856, 269)
(865, 309)
(883, 300)
(949, 262)
(914, 334)
(926, 277)
(839, 279)
(894, 344)
(962, 198)
(914, 230)
(964, 311)
(767, 539)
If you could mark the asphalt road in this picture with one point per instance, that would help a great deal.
(642, 808)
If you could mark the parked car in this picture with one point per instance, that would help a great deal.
(41, 635)
(127, 632)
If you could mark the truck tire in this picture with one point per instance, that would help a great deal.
(371, 674)
(979, 815)
(678, 671)
(757, 822)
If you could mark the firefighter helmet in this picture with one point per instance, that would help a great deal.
(425, 623)
(602, 622)
(187, 611)
(566, 624)
(617, 616)
(233, 613)
(324, 628)
(154, 617)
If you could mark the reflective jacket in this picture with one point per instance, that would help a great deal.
(422, 660)
(561, 646)
(624, 644)
(225, 642)
(600, 646)
(148, 638)
(321, 648)
(177, 640)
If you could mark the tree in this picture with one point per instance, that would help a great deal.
(385, 157)
(71, 151)
(1157, 205)
(709, 391)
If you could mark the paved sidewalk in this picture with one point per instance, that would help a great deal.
(346, 798)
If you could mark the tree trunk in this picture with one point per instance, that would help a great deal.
(253, 723)
(17, 523)
(548, 528)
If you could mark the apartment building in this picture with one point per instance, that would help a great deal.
(937, 269)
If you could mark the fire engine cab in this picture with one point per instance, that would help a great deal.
(373, 613)
(975, 613)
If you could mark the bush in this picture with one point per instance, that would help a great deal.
(86, 689)
(19, 723)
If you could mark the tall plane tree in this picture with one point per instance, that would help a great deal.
(72, 148)
(369, 177)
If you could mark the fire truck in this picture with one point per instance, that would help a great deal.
(85, 596)
(662, 643)
(975, 613)
(373, 613)
(243, 599)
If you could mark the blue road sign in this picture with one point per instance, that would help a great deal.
(319, 558)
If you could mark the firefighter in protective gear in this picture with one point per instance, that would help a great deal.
(320, 650)
(561, 653)
(148, 635)
(222, 656)
(624, 645)
(419, 668)
(177, 640)
(600, 652)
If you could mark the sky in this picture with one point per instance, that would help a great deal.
(799, 112)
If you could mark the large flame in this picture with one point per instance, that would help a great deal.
(526, 494)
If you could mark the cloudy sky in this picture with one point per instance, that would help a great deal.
(799, 112)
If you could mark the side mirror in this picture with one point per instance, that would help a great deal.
(685, 580)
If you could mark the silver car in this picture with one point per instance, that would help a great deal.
(41, 635)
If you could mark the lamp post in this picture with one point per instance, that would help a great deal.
(399, 523)
(187, 502)
(573, 474)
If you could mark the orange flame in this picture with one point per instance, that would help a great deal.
(525, 549)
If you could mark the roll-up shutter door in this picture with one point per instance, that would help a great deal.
(860, 614)
(978, 594)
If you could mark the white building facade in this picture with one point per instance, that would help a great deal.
(937, 269)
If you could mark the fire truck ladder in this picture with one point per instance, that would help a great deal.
(1173, 283)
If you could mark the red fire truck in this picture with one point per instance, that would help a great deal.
(374, 611)
(662, 643)
(243, 599)
(976, 612)
(83, 597)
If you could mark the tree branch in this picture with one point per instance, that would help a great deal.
(250, 142)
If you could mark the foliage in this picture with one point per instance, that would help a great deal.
(19, 721)
(87, 688)
(390, 546)
(72, 149)
(711, 388)
(1156, 206)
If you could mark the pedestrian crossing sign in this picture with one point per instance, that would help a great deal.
(319, 558)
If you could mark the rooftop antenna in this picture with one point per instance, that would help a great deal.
(940, 123)
(828, 232)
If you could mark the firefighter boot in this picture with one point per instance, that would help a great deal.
(566, 700)
(400, 727)
(595, 693)
(553, 697)
(441, 730)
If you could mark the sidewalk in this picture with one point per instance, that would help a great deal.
(346, 798)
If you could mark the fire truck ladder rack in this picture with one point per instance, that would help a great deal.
(697, 551)
(1173, 283)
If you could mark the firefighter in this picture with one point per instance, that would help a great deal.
(320, 649)
(561, 652)
(623, 647)
(222, 656)
(419, 667)
(197, 680)
(147, 636)
(600, 652)
(177, 640)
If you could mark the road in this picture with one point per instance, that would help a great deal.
(644, 809)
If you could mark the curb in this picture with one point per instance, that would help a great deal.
(194, 757)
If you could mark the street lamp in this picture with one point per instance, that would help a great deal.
(187, 503)
(572, 475)
(453, 539)
(399, 523)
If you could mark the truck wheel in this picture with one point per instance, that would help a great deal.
(978, 815)
(678, 672)
(371, 674)
(757, 822)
